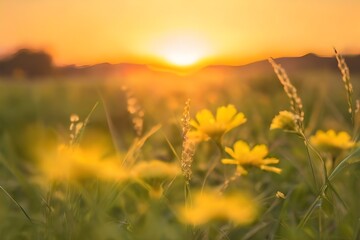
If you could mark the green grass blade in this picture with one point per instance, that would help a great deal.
(137, 145)
(17, 204)
(171, 147)
(309, 212)
(344, 163)
(357, 231)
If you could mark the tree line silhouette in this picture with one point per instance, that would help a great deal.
(27, 63)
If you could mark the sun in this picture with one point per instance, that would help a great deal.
(182, 51)
(182, 58)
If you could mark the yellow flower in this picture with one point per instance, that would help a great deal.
(151, 175)
(244, 156)
(331, 141)
(284, 120)
(207, 126)
(209, 206)
(155, 169)
(76, 164)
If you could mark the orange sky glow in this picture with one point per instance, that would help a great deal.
(179, 32)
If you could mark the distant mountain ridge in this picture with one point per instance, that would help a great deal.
(307, 62)
(304, 63)
(39, 64)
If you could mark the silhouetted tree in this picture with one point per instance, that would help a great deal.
(27, 62)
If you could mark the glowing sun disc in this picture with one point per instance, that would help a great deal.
(182, 58)
(182, 50)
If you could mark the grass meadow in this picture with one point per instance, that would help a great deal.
(92, 159)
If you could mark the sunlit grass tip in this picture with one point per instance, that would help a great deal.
(345, 72)
(75, 127)
(291, 92)
(280, 195)
(188, 146)
(135, 110)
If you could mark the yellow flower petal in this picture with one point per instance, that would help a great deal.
(241, 148)
(209, 126)
(244, 156)
(205, 117)
(210, 206)
(225, 114)
(240, 170)
(271, 161)
(260, 151)
(270, 169)
(284, 120)
(228, 161)
(331, 142)
(238, 120)
(230, 152)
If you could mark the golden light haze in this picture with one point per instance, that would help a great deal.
(179, 32)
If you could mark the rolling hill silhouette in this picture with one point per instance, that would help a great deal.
(38, 64)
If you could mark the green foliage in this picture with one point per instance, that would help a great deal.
(35, 117)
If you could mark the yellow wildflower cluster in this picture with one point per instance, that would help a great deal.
(207, 126)
(331, 141)
(76, 164)
(210, 206)
(243, 157)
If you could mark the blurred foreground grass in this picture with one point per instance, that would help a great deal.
(34, 122)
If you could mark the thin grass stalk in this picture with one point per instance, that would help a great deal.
(114, 135)
(132, 153)
(357, 121)
(344, 163)
(310, 161)
(320, 221)
(171, 146)
(213, 165)
(228, 181)
(345, 72)
(357, 231)
(78, 128)
(296, 106)
(17, 204)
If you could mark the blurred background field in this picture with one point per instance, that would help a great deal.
(35, 117)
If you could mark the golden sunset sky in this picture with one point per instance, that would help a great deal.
(179, 32)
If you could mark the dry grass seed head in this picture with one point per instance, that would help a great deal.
(135, 110)
(291, 92)
(75, 127)
(188, 146)
(346, 79)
